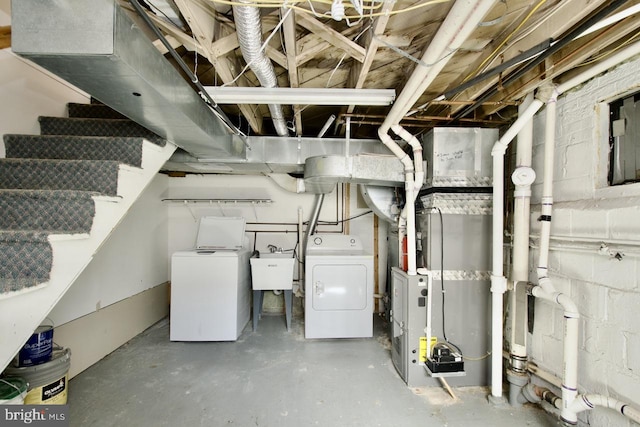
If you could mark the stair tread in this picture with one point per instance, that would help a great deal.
(127, 150)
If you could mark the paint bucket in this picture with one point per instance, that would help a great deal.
(47, 381)
(38, 348)
(12, 391)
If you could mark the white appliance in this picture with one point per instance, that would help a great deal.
(211, 285)
(338, 288)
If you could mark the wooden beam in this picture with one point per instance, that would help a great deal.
(5, 37)
(567, 59)
(289, 30)
(311, 45)
(332, 36)
(204, 28)
(359, 72)
(566, 16)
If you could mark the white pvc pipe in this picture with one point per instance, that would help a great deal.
(589, 401)
(521, 216)
(498, 281)
(411, 195)
(461, 21)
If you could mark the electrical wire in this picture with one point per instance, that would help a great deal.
(444, 328)
(340, 221)
(609, 52)
(505, 40)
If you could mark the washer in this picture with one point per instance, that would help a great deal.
(339, 287)
(211, 285)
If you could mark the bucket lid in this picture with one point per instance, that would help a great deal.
(12, 387)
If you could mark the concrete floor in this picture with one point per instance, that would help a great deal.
(271, 378)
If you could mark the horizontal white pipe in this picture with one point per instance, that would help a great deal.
(601, 67)
(595, 240)
(589, 401)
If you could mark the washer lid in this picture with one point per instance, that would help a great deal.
(222, 233)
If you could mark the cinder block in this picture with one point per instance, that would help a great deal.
(591, 300)
(573, 189)
(624, 224)
(623, 309)
(577, 160)
(552, 354)
(633, 352)
(589, 223)
(574, 265)
(619, 274)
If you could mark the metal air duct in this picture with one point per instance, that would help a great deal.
(248, 29)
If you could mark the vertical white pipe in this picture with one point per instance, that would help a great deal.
(498, 281)
(521, 215)
(411, 195)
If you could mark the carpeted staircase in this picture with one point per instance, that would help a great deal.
(61, 194)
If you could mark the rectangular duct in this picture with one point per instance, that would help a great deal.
(97, 47)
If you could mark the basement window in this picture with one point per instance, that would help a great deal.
(624, 140)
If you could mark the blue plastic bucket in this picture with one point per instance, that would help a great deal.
(38, 348)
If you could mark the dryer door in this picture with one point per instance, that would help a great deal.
(339, 287)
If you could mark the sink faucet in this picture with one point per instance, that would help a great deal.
(272, 248)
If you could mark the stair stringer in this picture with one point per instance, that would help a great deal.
(23, 311)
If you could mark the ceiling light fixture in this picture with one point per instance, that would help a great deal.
(300, 96)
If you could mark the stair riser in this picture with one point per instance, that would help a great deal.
(100, 177)
(24, 264)
(95, 127)
(51, 214)
(93, 111)
(124, 150)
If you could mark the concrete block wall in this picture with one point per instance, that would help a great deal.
(588, 213)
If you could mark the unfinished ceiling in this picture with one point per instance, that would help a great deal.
(378, 44)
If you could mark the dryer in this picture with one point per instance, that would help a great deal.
(338, 287)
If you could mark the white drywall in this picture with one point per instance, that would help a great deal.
(132, 260)
(273, 223)
(605, 289)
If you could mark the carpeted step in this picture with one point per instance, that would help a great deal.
(26, 259)
(123, 149)
(96, 127)
(96, 111)
(57, 211)
(85, 175)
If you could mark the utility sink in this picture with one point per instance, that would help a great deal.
(272, 271)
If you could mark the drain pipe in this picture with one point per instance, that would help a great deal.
(570, 403)
(498, 280)
(249, 31)
(522, 177)
(462, 19)
(409, 208)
